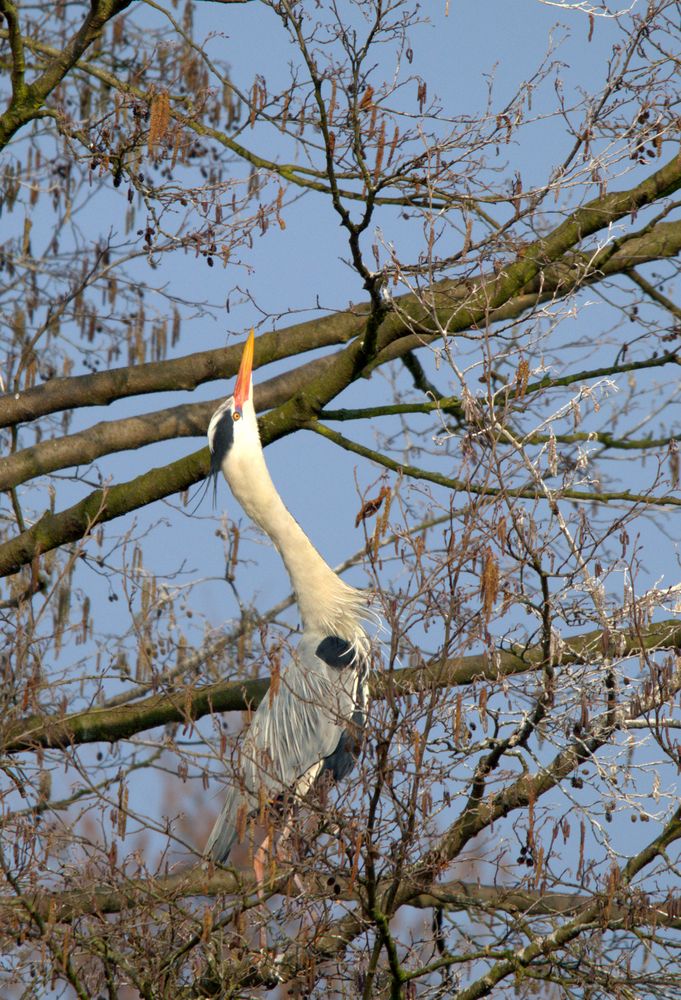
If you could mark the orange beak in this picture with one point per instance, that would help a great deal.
(243, 379)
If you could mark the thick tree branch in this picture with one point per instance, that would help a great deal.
(557, 280)
(186, 704)
(110, 436)
(450, 302)
(454, 896)
(184, 373)
(17, 46)
(53, 530)
(191, 420)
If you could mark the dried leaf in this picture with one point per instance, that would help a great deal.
(367, 99)
(393, 144)
(207, 924)
(370, 507)
(674, 464)
(521, 377)
(482, 709)
(332, 101)
(159, 119)
(355, 860)
(241, 820)
(489, 583)
(380, 149)
(122, 809)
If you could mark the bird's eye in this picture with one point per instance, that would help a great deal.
(236, 416)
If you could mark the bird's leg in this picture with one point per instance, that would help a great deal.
(259, 862)
(283, 851)
(312, 916)
(260, 859)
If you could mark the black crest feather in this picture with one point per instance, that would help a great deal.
(222, 441)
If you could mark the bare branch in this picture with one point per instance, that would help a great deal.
(184, 705)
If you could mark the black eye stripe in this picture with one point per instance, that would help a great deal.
(223, 438)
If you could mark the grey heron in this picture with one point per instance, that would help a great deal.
(311, 722)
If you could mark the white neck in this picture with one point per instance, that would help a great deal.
(326, 603)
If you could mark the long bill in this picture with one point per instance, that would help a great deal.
(243, 381)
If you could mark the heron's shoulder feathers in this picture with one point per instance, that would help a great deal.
(336, 652)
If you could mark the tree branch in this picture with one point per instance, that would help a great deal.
(449, 302)
(17, 46)
(187, 704)
(455, 896)
(464, 486)
(53, 530)
(27, 100)
(110, 436)
(593, 913)
(480, 305)
(102, 388)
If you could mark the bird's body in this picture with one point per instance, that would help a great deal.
(312, 721)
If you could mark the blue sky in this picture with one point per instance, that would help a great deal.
(292, 270)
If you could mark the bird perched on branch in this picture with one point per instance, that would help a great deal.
(311, 723)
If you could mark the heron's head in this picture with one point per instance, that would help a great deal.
(233, 428)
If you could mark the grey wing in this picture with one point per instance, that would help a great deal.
(224, 831)
(288, 740)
